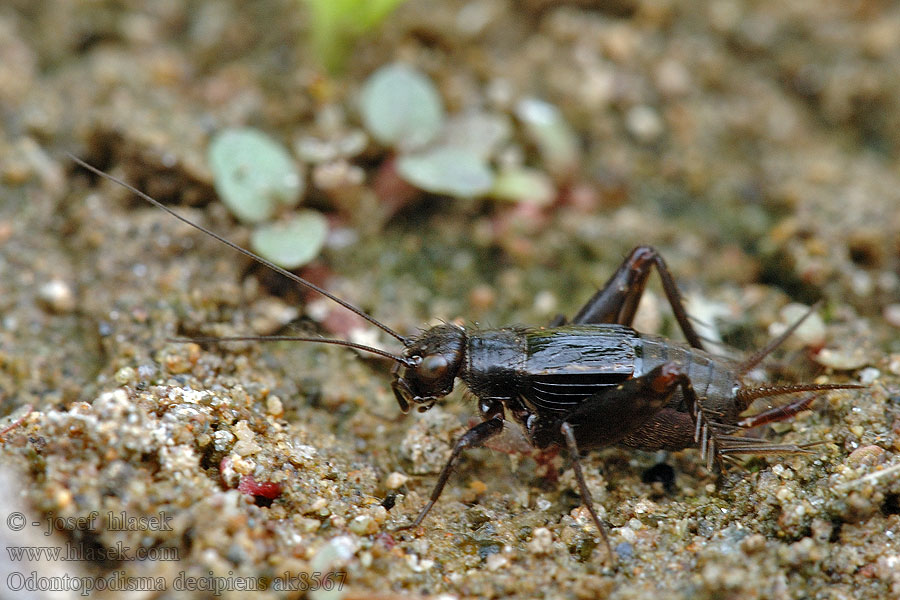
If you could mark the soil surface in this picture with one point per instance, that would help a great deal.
(756, 145)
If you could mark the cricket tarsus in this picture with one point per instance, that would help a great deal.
(591, 383)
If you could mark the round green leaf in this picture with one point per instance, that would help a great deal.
(291, 243)
(447, 170)
(253, 174)
(401, 107)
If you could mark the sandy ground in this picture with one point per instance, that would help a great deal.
(756, 145)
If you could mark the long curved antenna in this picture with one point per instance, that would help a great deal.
(290, 338)
(757, 357)
(244, 251)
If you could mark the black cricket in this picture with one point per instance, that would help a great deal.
(588, 383)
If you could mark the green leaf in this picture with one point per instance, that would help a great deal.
(447, 170)
(521, 184)
(253, 174)
(291, 243)
(337, 23)
(373, 12)
(555, 139)
(481, 133)
(401, 107)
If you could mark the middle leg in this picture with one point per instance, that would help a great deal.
(607, 417)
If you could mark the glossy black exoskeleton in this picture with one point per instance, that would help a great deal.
(596, 382)
(585, 384)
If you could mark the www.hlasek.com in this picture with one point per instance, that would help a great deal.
(81, 552)
(120, 581)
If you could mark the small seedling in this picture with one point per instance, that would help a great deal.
(257, 178)
(336, 24)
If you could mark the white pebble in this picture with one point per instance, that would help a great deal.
(541, 541)
(496, 561)
(644, 123)
(892, 314)
(395, 480)
(868, 375)
(57, 295)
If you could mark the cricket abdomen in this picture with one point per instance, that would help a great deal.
(714, 382)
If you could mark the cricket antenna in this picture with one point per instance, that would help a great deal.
(296, 278)
(407, 362)
(754, 359)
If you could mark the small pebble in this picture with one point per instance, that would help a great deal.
(274, 406)
(542, 504)
(395, 480)
(242, 466)
(478, 486)
(245, 448)
(545, 302)
(495, 561)
(339, 550)
(624, 550)
(57, 296)
(844, 359)
(182, 361)
(419, 565)
(227, 473)
(784, 494)
(541, 541)
(243, 432)
(868, 375)
(6, 230)
(63, 498)
(672, 78)
(318, 505)
(892, 314)
(379, 513)
(363, 525)
(627, 534)
(265, 489)
(125, 375)
(223, 440)
(307, 525)
(272, 314)
(753, 543)
(866, 455)
(894, 364)
(644, 123)
(810, 333)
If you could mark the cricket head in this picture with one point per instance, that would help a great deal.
(432, 363)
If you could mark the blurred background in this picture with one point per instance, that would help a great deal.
(485, 161)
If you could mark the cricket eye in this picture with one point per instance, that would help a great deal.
(434, 366)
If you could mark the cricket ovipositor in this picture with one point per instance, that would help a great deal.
(584, 384)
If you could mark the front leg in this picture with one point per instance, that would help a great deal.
(492, 412)
(617, 300)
